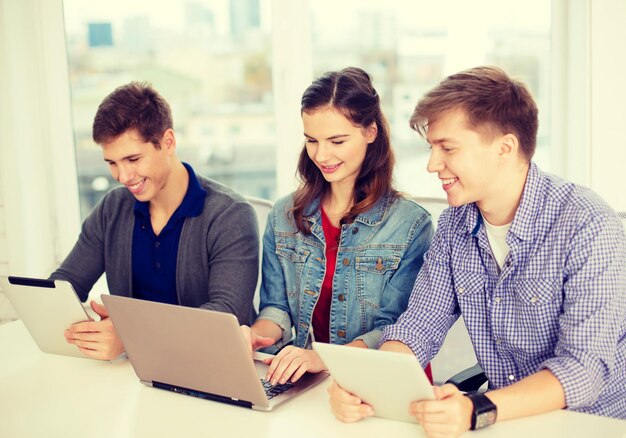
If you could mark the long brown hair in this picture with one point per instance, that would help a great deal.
(350, 91)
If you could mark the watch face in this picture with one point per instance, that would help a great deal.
(485, 419)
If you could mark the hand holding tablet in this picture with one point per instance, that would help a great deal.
(47, 308)
(387, 381)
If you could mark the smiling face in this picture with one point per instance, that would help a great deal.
(139, 165)
(465, 160)
(336, 145)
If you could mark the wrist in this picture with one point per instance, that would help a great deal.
(484, 411)
(468, 410)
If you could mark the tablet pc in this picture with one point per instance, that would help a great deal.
(47, 308)
(387, 381)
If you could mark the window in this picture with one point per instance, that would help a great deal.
(408, 46)
(212, 60)
(209, 59)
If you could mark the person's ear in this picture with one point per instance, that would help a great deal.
(168, 141)
(508, 146)
(371, 132)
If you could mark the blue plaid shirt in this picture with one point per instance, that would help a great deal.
(559, 302)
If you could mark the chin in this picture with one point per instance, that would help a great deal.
(452, 202)
(330, 178)
(143, 197)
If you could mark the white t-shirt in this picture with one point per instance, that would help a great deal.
(496, 234)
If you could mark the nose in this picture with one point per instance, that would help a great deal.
(322, 154)
(435, 164)
(124, 174)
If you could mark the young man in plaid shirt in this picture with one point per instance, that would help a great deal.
(535, 265)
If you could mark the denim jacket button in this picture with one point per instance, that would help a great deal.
(345, 261)
(341, 297)
(341, 333)
(355, 230)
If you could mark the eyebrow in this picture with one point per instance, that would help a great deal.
(123, 158)
(334, 137)
(441, 140)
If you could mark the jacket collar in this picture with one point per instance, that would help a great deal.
(371, 217)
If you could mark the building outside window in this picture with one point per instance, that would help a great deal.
(212, 60)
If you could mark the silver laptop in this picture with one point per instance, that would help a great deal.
(196, 352)
(386, 380)
(47, 308)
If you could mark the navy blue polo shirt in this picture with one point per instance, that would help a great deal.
(154, 257)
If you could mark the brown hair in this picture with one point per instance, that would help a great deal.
(132, 106)
(349, 91)
(491, 100)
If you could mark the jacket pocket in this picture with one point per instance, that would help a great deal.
(292, 261)
(291, 254)
(372, 273)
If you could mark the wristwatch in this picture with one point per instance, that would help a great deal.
(484, 412)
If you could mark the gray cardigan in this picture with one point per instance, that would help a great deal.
(218, 254)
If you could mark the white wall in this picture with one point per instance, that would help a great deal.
(608, 98)
(6, 311)
(570, 90)
(4, 257)
(289, 78)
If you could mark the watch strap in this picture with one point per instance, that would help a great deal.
(481, 404)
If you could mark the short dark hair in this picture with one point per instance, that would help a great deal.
(491, 100)
(349, 91)
(135, 106)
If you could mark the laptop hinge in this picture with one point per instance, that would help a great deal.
(201, 394)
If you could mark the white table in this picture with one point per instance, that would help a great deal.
(56, 396)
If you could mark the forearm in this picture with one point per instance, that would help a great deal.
(82, 267)
(231, 299)
(85, 263)
(357, 343)
(396, 346)
(268, 329)
(536, 394)
(232, 245)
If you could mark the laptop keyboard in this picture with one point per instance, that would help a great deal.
(273, 390)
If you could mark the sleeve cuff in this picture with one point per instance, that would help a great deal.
(398, 333)
(371, 339)
(575, 380)
(282, 320)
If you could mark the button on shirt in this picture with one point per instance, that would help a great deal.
(559, 302)
(154, 257)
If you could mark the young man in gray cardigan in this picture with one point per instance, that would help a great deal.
(167, 235)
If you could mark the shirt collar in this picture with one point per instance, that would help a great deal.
(525, 214)
(372, 216)
(191, 205)
(529, 206)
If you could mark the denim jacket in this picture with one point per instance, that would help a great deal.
(378, 258)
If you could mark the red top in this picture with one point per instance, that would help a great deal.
(321, 313)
